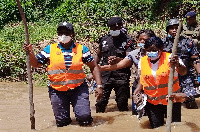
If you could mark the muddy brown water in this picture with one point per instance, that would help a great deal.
(15, 111)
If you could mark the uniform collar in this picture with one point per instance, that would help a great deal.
(192, 27)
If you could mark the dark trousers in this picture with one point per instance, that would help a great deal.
(121, 89)
(157, 113)
(79, 99)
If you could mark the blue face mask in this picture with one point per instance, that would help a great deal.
(141, 45)
(169, 36)
(152, 55)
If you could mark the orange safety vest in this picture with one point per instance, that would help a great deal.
(157, 90)
(60, 78)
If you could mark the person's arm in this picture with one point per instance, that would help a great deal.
(195, 59)
(180, 67)
(138, 89)
(94, 68)
(33, 60)
(122, 64)
(178, 97)
(114, 60)
(196, 62)
(98, 56)
(97, 59)
(139, 86)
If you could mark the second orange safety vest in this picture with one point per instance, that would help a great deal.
(157, 90)
(60, 78)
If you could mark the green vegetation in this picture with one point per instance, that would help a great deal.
(89, 18)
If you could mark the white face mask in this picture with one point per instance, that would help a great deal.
(114, 33)
(64, 39)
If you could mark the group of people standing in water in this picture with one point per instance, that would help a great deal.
(116, 54)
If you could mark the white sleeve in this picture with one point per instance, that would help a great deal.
(179, 59)
(180, 62)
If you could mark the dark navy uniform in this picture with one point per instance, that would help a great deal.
(186, 49)
(119, 79)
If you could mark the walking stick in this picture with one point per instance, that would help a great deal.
(171, 77)
(32, 118)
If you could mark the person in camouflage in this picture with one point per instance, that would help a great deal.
(188, 52)
(192, 29)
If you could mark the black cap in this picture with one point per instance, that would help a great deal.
(68, 25)
(190, 14)
(114, 20)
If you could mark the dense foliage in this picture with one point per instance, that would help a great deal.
(89, 18)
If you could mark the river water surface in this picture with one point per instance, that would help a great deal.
(15, 111)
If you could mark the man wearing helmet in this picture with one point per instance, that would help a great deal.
(188, 52)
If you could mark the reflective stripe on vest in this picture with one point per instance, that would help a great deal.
(75, 81)
(157, 90)
(68, 82)
(159, 86)
(60, 78)
(161, 97)
(56, 71)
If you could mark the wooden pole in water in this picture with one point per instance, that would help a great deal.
(171, 77)
(32, 111)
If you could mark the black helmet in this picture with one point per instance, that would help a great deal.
(172, 22)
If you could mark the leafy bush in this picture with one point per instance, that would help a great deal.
(89, 18)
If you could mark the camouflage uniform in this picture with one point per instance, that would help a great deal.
(186, 49)
(192, 32)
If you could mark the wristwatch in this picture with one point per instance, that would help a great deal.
(99, 86)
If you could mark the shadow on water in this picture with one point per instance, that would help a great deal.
(193, 126)
(99, 120)
(145, 125)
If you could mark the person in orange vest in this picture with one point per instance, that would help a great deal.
(66, 78)
(154, 69)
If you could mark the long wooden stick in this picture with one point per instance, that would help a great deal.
(32, 111)
(171, 77)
